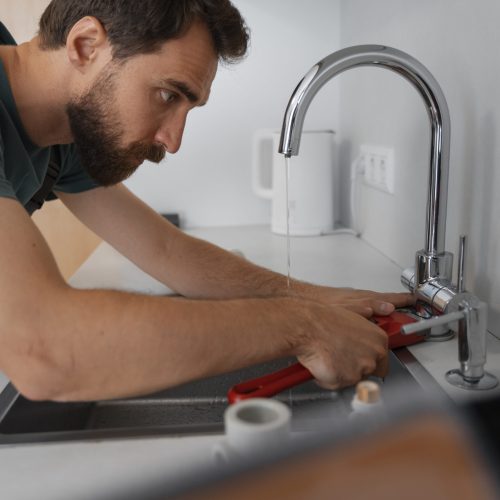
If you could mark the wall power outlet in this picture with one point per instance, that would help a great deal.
(378, 165)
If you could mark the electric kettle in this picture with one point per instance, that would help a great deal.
(310, 182)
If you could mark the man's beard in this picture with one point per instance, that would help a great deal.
(97, 135)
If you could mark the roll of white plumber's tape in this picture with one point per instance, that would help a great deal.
(252, 426)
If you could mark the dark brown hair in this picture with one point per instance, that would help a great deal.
(142, 26)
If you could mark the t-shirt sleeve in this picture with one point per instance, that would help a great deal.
(73, 178)
(6, 189)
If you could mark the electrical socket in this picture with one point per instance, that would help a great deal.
(378, 167)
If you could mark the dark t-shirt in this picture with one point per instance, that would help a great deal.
(23, 165)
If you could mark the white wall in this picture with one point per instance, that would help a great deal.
(458, 41)
(209, 181)
(21, 17)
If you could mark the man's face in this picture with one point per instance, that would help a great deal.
(136, 110)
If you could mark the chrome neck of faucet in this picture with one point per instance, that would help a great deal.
(437, 108)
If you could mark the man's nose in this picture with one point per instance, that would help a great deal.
(170, 133)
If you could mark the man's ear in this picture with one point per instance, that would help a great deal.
(87, 43)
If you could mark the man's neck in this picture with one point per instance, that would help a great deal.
(39, 92)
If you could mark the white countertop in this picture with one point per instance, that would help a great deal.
(80, 470)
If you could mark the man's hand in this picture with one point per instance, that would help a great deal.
(342, 346)
(339, 346)
(364, 302)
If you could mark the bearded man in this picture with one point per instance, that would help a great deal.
(105, 85)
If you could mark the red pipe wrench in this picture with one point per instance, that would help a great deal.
(269, 385)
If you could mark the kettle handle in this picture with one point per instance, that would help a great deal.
(262, 164)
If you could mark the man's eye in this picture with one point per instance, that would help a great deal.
(167, 96)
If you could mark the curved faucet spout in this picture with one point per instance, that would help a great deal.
(437, 108)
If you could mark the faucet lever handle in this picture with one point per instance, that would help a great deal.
(427, 324)
(461, 264)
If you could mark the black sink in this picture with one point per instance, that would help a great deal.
(194, 408)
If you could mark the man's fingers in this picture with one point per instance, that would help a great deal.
(398, 299)
(369, 307)
(382, 368)
(382, 308)
(359, 308)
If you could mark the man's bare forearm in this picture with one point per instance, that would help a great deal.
(190, 266)
(196, 268)
(105, 344)
(218, 274)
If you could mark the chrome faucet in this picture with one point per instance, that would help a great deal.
(431, 278)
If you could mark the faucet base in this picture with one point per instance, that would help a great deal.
(439, 334)
(485, 383)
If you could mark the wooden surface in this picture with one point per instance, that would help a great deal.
(70, 241)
